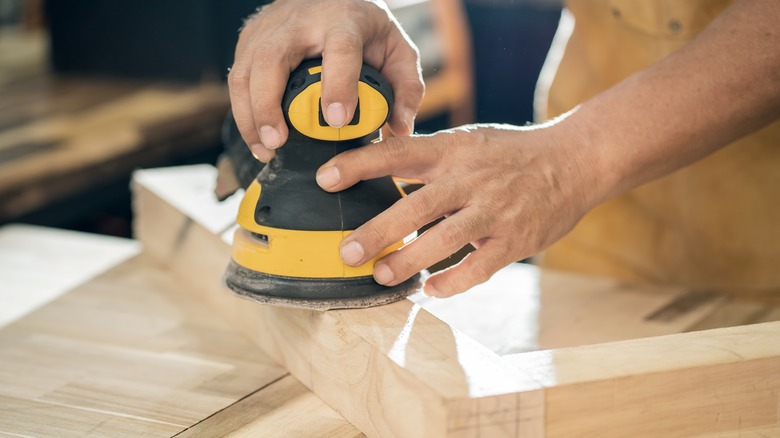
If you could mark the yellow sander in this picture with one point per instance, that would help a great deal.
(286, 248)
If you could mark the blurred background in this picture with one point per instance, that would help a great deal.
(91, 90)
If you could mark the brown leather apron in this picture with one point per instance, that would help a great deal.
(712, 225)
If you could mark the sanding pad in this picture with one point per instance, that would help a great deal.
(316, 293)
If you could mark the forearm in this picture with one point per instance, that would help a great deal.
(720, 87)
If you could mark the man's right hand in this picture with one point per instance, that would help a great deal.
(345, 33)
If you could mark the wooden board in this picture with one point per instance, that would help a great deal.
(38, 264)
(130, 353)
(397, 370)
(259, 415)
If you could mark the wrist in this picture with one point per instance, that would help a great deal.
(592, 177)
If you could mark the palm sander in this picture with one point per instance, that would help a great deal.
(286, 248)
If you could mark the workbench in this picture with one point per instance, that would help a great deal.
(102, 336)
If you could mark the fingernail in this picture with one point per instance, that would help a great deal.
(261, 153)
(431, 291)
(352, 253)
(270, 137)
(336, 115)
(383, 274)
(328, 178)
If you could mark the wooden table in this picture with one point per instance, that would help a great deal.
(148, 344)
(128, 353)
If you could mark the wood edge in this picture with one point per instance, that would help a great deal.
(494, 397)
(598, 362)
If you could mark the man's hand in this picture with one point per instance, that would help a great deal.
(508, 191)
(345, 33)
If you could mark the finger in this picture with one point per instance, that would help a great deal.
(475, 269)
(267, 83)
(399, 156)
(263, 154)
(403, 72)
(436, 244)
(238, 86)
(342, 58)
(398, 221)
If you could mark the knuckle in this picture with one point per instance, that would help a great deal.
(394, 149)
(348, 163)
(481, 272)
(449, 141)
(377, 236)
(405, 266)
(453, 236)
(266, 55)
(339, 91)
(417, 87)
(238, 78)
(465, 136)
(344, 41)
(422, 204)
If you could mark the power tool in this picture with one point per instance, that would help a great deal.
(286, 248)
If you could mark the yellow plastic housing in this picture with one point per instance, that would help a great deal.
(292, 253)
(304, 114)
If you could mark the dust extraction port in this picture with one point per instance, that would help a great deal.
(261, 238)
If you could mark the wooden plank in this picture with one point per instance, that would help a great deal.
(391, 371)
(283, 409)
(31, 418)
(39, 264)
(684, 385)
(521, 308)
(130, 354)
(741, 311)
(129, 344)
(399, 371)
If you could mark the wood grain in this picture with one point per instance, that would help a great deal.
(129, 353)
(39, 264)
(283, 409)
(397, 370)
(392, 371)
(684, 385)
(129, 343)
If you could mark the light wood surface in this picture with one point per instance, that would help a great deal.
(38, 264)
(258, 415)
(392, 371)
(397, 370)
(130, 353)
(522, 308)
(140, 350)
(684, 385)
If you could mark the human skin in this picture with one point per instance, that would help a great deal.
(513, 191)
(346, 33)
